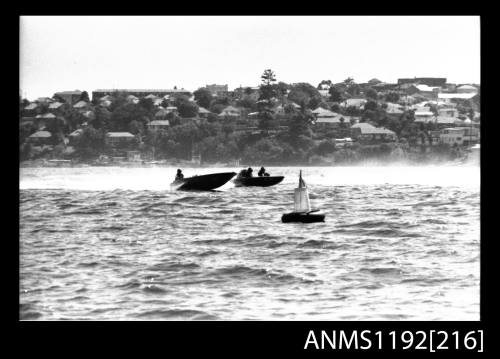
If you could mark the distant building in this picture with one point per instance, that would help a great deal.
(467, 89)
(355, 102)
(449, 112)
(139, 93)
(40, 138)
(394, 109)
(429, 81)
(70, 97)
(81, 105)
(365, 132)
(445, 121)
(327, 118)
(134, 156)
(158, 125)
(203, 112)
(230, 111)
(73, 137)
(218, 90)
(54, 106)
(424, 90)
(449, 97)
(120, 139)
(452, 136)
(424, 115)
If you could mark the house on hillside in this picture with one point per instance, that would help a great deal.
(81, 106)
(394, 110)
(452, 136)
(31, 109)
(172, 109)
(45, 119)
(218, 90)
(161, 113)
(40, 138)
(74, 136)
(158, 125)
(44, 100)
(132, 99)
(358, 103)
(429, 92)
(139, 93)
(443, 121)
(326, 118)
(120, 140)
(424, 115)
(448, 112)
(230, 111)
(55, 106)
(449, 97)
(70, 97)
(203, 112)
(467, 89)
(429, 81)
(365, 132)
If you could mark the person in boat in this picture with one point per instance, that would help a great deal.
(179, 176)
(261, 171)
(249, 172)
(243, 173)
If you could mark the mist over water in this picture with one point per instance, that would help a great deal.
(399, 243)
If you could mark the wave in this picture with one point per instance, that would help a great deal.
(173, 314)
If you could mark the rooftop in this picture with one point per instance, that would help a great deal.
(457, 95)
(41, 134)
(143, 90)
(159, 123)
(120, 134)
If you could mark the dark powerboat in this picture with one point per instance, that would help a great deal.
(204, 182)
(264, 181)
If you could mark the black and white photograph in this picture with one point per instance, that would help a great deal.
(249, 168)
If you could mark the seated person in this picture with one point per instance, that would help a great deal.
(249, 172)
(261, 171)
(243, 173)
(179, 176)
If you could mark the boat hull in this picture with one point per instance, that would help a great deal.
(204, 182)
(264, 181)
(302, 217)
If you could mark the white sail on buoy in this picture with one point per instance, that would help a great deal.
(301, 197)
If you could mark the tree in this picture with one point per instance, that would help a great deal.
(84, 96)
(102, 117)
(268, 89)
(302, 93)
(186, 108)
(267, 120)
(91, 142)
(371, 94)
(324, 83)
(203, 97)
(335, 94)
(299, 126)
(392, 97)
(268, 77)
(370, 106)
(325, 147)
(147, 104)
(123, 115)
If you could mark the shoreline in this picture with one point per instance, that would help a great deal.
(373, 163)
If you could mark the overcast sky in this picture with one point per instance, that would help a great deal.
(66, 53)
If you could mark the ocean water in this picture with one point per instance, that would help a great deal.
(110, 243)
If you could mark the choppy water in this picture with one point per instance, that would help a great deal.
(399, 243)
